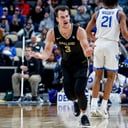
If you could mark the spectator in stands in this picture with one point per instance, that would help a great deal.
(4, 25)
(47, 22)
(24, 7)
(124, 95)
(37, 14)
(34, 44)
(82, 17)
(74, 3)
(48, 72)
(6, 13)
(27, 31)
(42, 37)
(10, 4)
(57, 69)
(7, 52)
(18, 17)
(31, 69)
(15, 26)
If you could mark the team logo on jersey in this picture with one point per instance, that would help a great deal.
(73, 37)
(58, 38)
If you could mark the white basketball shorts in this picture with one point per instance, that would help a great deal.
(106, 55)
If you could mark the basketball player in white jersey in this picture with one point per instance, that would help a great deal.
(109, 22)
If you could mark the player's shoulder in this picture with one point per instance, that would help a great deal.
(121, 13)
(51, 34)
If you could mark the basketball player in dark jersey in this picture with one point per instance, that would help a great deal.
(72, 41)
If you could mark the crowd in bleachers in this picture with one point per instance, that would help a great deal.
(32, 19)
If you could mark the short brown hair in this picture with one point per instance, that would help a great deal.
(61, 8)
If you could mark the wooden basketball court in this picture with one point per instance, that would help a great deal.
(52, 116)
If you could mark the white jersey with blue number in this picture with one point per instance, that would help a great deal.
(107, 24)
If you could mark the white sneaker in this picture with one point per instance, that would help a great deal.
(94, 112)
(103, 113)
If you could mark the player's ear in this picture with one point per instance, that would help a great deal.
(57, 19)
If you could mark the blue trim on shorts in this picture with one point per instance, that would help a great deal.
(94, 68)
(115, 70)
(103, 68)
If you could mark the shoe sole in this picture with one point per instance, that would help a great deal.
(81, 126)
(95, 114)
(101, 114)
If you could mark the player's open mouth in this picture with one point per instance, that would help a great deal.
(65, 23)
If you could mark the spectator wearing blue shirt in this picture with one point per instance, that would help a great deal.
(7, 52)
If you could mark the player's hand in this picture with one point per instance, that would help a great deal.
(88, 51)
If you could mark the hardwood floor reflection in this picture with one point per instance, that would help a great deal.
(53, 117)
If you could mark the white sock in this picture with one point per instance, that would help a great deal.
(104, 104)
(82, 113)
(94, 102)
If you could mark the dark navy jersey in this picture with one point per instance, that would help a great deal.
(71, 50)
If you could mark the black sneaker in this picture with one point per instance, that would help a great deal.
(34, 98)
(76, 109)
(85, 122)
(37, 99)
(16, 98)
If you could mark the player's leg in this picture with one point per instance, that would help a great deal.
(111, 66)
(108, 87)
(95, 92)
(98, 66)
(69, 90)
(80, 85)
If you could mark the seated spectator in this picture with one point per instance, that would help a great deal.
(47, 22)
(124, 95)
(27, 31)
(6, 13)
(31, 73)
(119, 82)
(24, 7)
(57, 70)
(18, 16)
(37, 14)
(34, 44)
(42, 37)
(4, 25)
(7, 52)
(50, 73)
(82, 17)
(15, 26)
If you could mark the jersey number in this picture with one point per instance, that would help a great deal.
(106, 21)
(67, 49)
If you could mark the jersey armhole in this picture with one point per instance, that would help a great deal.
(97, 14)
(117, 16)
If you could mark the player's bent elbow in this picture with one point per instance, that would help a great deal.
(125, 35)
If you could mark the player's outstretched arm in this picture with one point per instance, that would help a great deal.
(48, 47)
(82, 37)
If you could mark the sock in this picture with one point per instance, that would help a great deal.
(104, 104)
(82, 113)
(94, 102)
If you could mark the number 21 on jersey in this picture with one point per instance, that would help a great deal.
(106, 21)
